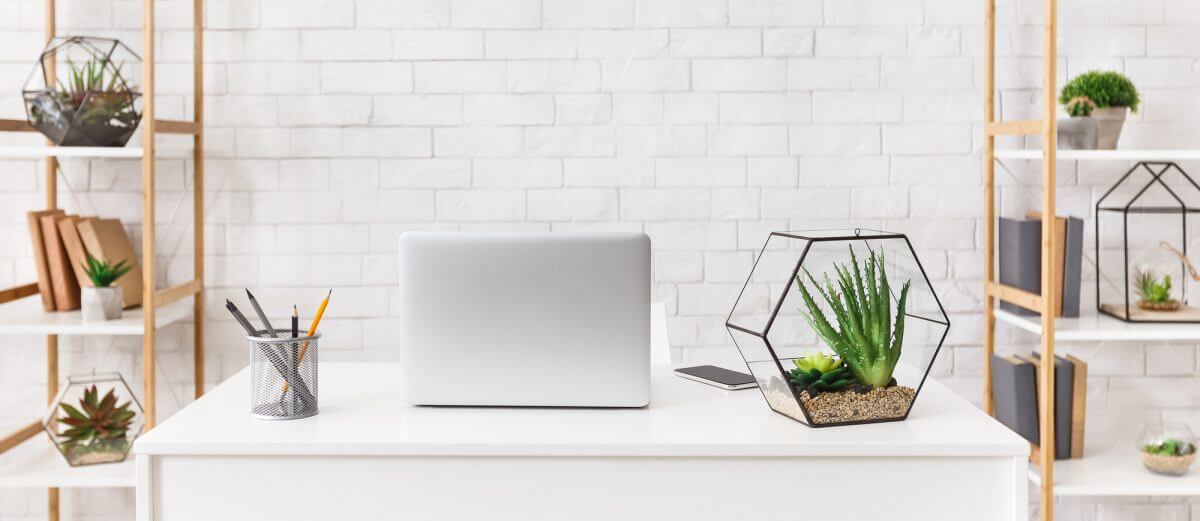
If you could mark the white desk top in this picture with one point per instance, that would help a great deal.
(361, 414)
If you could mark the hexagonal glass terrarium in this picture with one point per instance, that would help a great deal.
(94, 419)
(838, 327)
(80, 92)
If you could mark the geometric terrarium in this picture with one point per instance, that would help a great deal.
(94, 419)
(1143, 226)
(80, 92)
(838, 327)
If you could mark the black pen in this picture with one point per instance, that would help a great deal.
(295, 321)
(261, 316)
(240, 318)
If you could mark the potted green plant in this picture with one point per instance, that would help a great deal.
(102, 301)
(1103, 96)
(1154, 293)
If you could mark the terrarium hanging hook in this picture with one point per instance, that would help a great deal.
(1182, 258)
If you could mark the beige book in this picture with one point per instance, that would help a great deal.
(45, 287)
(76, 254)
(1078, 406)
(62, 277)
(105, 239)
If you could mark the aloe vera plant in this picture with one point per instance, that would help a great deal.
(865, 338)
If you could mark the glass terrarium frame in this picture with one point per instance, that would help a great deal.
(105, 117)
(103, 382)
(766, 371)
(1184, 202)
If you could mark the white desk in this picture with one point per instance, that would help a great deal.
(696, 453)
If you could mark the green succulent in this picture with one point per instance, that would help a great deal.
(865, 338)
(1169, 447)
(1152, 289)
(816, 381)
(819, 361)
(96, 420)
(102, 273)
(1098, 89)
(96, 93)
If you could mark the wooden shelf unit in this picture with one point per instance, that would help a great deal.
(27, 459)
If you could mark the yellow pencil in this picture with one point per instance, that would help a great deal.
(312, 328)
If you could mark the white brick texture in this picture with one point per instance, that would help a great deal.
(335, 125)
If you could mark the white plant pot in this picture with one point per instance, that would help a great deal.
(1078, 133)
(1109, 121)
(101, 303)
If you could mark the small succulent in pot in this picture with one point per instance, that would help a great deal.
(1105, 96)
(103, 301)
(1154, 293)
(78, 94)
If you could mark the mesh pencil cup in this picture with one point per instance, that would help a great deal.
(283, 375)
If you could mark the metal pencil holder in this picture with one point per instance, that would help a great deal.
(283, 375)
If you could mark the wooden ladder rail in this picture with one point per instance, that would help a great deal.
(993, 291)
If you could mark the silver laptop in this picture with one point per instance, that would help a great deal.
(525, 319)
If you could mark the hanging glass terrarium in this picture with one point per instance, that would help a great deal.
(94, 419)
(80, 92)
(838, 327)
(1144, 224)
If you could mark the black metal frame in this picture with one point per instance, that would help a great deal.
(882, 235)
(1182, 210)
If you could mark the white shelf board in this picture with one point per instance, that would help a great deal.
(37, 464)
(1096, 327)
(42, 151)
(1115, 470)
(1104, 155)
(26, 317)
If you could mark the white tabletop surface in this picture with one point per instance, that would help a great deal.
(361, 414)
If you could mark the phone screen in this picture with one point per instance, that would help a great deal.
(718, 374)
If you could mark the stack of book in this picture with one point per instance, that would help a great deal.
(61, 246)
(1015, 399)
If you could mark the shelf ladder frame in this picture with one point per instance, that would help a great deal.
(152, 299)
(1047, 127)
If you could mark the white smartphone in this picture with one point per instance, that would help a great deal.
(718, 377)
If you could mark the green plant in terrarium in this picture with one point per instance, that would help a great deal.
(1098, 90)
(1154, 293)
(95, 93)
(97, 430)
(818, 373)
(1169, 447)
(103, 273)
(865, 339)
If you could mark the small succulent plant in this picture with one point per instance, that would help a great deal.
(102, 273)
(97, 420)
(1151, 288)
(819, 372)
(1170, 447)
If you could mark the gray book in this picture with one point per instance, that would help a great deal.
(1020, 242)
(1014, 395)
(1064, 393)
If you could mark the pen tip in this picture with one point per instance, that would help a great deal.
(330, 294)
(248, 294)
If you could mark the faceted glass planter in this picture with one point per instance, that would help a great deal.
(769, 328)
(1144, 224)
(80, 92)
(94, 419)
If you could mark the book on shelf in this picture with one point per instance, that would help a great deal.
(105, 239)
(1015, 394)
(76, 254)
(62, 277)
(45, 286)
(1020, 242)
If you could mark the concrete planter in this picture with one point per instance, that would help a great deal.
(1078, 133)
(1109, 121)
(101, 303)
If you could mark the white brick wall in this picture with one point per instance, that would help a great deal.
(334, 125)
